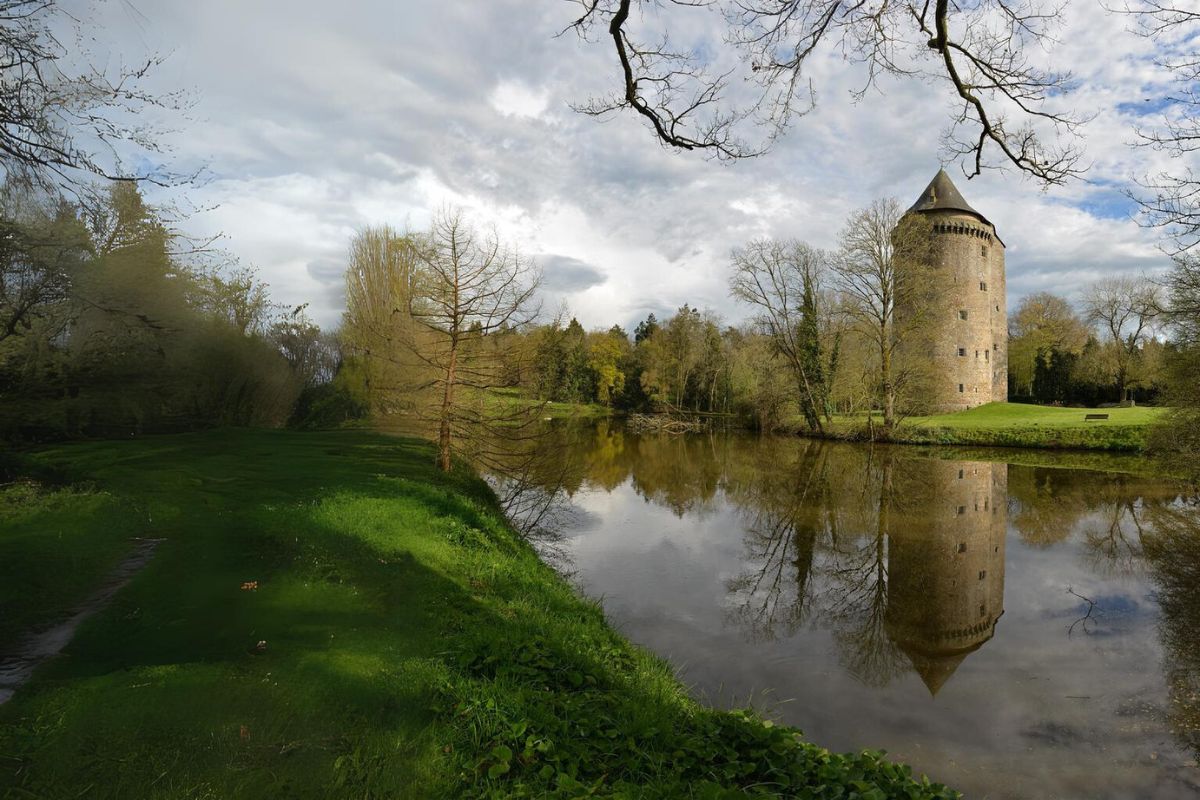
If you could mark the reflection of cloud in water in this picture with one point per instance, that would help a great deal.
(578, 521)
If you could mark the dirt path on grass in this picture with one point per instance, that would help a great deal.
(17, 668)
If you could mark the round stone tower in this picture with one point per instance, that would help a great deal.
(967, 334)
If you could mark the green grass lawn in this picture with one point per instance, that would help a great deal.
(402, 641)
(1013, 425)
(502, 399)
(1013, 415)
(83, 534)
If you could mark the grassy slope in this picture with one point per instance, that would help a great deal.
(414, 645)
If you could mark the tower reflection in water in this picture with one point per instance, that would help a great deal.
(945, 562)
(901, 557)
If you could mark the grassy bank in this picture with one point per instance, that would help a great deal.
(502, 400)
(399, 640)
(1011, 425)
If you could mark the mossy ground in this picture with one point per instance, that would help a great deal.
(412, 644)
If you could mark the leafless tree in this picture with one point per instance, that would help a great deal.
(62, 121)
(313, 355)
(772, 276)
(1183, 285)
(883, 265)
(1126, 310)
(470, 288)
(1170, 200)
(977, 50)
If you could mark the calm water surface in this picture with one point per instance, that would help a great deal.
(1013, 631)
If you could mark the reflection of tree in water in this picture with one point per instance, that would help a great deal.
(856, 597)
(787, 512)
(1172, 549)
(1048, 505)
(1115, 540)
(682, 473)
(1045, 504)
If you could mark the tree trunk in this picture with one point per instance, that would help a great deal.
(886, 387)
(447, 405)
(808, 404)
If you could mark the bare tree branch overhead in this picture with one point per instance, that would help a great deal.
(63, 119)
(1170, 199)
(1008, 106)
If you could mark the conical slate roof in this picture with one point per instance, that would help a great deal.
(942, 195)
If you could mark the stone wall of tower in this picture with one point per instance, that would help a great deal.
(968, 331)
(999, 325)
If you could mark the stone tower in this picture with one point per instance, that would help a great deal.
(968, 331)
(946, 563)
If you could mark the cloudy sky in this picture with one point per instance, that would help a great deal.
(316, 118)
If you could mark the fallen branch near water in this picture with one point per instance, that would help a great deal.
(667, 423)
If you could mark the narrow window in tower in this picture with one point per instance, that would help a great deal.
(962, 510)
(982, 574)
(962, 547)
(986, 355)
(960, 474)
(983, 251)
(962, 314)
(960, 388)
(977, 354)
(983, 286)
(962, 351)
(995, 346)
(982, 610)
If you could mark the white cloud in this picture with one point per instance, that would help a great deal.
(343, 118)
(513, 98)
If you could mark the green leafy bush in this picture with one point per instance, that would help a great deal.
(539, 722)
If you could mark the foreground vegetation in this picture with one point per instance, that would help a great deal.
(331, 616)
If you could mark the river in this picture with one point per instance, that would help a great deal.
(1014, 631)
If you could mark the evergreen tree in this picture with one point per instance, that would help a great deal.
(645, 329)
(813, 404)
